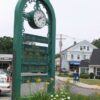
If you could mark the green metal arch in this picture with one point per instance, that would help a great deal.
(21, 3)
(17, 46)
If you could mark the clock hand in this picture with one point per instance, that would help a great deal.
(40, 18)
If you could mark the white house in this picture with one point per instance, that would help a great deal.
(72, 56)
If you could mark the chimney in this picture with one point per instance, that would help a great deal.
(75, 42)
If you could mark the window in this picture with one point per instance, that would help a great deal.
(80, 47)
(88, 48)
(84, 47)
(72, 56)
(84, 70)
(78, 57)
(98, 71)
(84, 56)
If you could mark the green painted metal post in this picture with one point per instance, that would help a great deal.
(52, 32)
(18, 48)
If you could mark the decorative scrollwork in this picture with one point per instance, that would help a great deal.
(30, 1)
(23, 30)
(25, 6)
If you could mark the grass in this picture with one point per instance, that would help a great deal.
(86, 81)
(91, 81)
(59, 96)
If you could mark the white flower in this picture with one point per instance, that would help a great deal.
(62, 99)
(54, 98)
(68, 98)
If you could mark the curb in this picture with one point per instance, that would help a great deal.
(85, 87)
(95, 87)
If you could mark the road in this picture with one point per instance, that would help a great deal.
(83, 91)
(73, 89)
(5, 96)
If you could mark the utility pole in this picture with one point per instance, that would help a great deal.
(60, 46)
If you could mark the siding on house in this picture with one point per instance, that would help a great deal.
(77, 52)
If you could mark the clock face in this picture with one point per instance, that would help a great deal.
(39, 18)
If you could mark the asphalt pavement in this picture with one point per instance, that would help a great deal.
(75, 88)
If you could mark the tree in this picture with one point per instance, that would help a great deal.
(57, 56)
(6, 45)
(96, 43)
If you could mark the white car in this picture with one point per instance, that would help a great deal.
(5, 85)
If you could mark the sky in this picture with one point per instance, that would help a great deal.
(76, 20)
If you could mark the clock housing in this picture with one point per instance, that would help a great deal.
(37, 19)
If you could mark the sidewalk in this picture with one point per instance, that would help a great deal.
(78, 83)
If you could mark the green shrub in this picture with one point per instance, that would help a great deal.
(70, 75)
(84, 75)
(91, 75)
(97, 77)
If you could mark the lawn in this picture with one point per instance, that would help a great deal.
(91, 81)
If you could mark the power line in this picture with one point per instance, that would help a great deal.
(60, 45)
(71, 37)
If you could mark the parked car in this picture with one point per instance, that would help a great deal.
(5, 84)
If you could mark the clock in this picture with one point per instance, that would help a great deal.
(37, 19)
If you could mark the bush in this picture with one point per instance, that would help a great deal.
(91, 75)
(84, 75)
(70, 74)
(97, 77)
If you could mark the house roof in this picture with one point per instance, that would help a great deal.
(79, 43)
(84, 63)
(70, 46)
(95, 57)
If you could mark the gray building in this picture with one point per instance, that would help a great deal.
(5, 59)
(94, 65)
